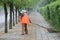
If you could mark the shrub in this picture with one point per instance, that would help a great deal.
(51, 12)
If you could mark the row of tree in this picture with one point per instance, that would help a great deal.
(17, 5)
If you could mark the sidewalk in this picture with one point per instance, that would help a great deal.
(15, 33)
(35, 32)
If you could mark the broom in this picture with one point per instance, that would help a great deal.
(51, 30)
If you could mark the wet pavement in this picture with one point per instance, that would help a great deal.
(35, 32)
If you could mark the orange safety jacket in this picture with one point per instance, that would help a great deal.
(25, 19)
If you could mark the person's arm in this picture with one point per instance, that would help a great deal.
(29, 20)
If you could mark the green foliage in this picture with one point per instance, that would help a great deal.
(21, 3)
(52, 13)
(45, 2)
(28, 3)
(3, 1)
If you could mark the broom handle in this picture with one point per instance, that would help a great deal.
(39, 25)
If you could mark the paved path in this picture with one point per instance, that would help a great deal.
(35, 32)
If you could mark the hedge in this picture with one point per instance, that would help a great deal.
(51, 12)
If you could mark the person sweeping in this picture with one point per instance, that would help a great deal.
(25, 21)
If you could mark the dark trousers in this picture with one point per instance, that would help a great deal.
(26, 30)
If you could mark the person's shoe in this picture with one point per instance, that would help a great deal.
(22, 34)
(26, 33)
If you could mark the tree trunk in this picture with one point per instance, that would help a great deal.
(48, 13)
(13, 19)
(16, 15)
(13, 15)
(10, 25)
(5, 9)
